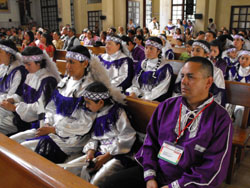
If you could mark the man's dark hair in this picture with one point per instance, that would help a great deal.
(201, 33)
(213, 33)
(206, 65)
(73, 30)
(190, 42)
(210, 20)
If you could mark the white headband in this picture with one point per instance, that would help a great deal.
(76, 56)
(94, 96)
(231, 50)
(114, 39)
(8, 49)
(153, 43)
(244, 52)
(32, 58)
(238, 37)
(201, 45)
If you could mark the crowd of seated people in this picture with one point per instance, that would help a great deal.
(59, 118)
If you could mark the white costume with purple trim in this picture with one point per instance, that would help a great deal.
(11, 81)
(147, 87)
(112, 133)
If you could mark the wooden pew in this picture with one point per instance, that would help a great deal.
(60, 54)
(141, 111)
(61, 65)
(21, 167)
(238, 94)
(178, 52)
(97, 50)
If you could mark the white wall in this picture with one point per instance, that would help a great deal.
(13, 14)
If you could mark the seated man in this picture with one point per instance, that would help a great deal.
(188, 141)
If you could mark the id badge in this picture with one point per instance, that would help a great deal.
(170, 153)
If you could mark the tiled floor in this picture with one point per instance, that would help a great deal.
(241, 178)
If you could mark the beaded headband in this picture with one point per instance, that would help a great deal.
(238, 37)
(114, 39)
(153, 43)
(76, 56)
(94, 96)
(7, 49)
(231, 50)
(201, 45)
(244, 52)
(32, 58)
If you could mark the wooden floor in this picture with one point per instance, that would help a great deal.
(241, 178)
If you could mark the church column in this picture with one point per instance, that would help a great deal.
(165, 13)
(108, 11)
(64, 11)
(202, 8)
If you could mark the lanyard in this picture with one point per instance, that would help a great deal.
(181, 131)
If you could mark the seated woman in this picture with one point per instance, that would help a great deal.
(118, 65)
(138, 51)
(28, 39)
(187, 54)
(66, 121)
(167, 52)
(12, 76)
(240, 73)
(58, 43)
(152, 75)
(112, 136)
(238, 42)
(37, 92)
(231, 56)
(215, 56)
(46, 44)
(135, 52)
(89, 40)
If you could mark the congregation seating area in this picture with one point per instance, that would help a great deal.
(32, 170)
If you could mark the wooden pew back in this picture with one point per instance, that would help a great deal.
(238, 94)
(21, 167)
(141, 111)
(60, 54)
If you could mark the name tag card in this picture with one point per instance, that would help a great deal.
(170, 153)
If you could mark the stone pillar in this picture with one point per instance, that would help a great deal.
(165, 13)
(64, 11)
(108, 11)
(202, 8)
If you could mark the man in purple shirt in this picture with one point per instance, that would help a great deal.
(188, 140)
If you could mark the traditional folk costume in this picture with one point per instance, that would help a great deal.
(167, 51)
(221, 64)
(171, 28)
(111, 133)
(152, 78)
(218, 88)
(67, 114)
(230, 61)
(11, 82)
(239, 74)
(137, 54)
(119, 67)
(37, 92)
(225, 52)
(204, 138)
